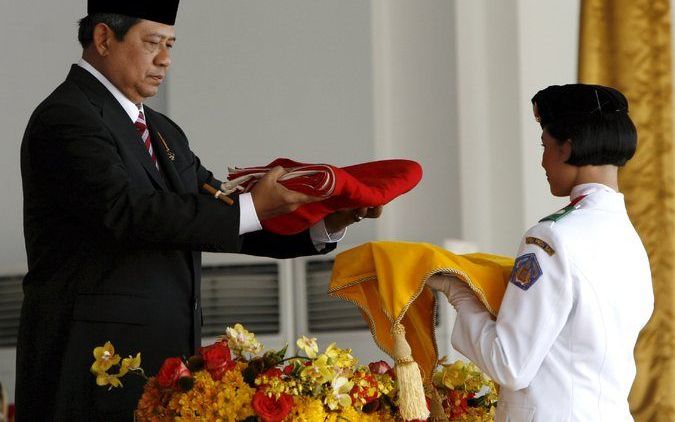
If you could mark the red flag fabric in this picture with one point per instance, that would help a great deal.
(362, 185)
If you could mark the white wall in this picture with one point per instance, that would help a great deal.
(489, 134)
(38, 42)
(415, 99)
(506, 52)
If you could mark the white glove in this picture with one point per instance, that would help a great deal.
(453, 288)
(441, 282)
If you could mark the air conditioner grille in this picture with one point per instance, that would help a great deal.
(246, 294)
(326, 313)
(11, 297)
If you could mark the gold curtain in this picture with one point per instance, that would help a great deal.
(626, 44)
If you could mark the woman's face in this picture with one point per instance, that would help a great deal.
(559, 174)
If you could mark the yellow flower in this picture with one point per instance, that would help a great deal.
(307, 410)
(228, 399)
(318, 372)
(461, 375)
(130, 364)
(103, 379)
(105, 358)
(333, 352)
(386, 385)
(341, 358)
(309, 346)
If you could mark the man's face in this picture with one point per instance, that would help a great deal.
(138, 64)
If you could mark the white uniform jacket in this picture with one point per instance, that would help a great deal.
(562, 345)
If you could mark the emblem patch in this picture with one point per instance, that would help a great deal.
(536, 241)
(526, 271)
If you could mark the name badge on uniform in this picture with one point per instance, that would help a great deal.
(545, 246)
(526, 271)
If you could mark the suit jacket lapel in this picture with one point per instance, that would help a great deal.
(164, 149)
(117, 120)
(127, 131)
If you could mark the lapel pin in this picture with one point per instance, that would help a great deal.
(169, 153)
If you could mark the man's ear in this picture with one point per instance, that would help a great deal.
(566, 150)
(103, 35)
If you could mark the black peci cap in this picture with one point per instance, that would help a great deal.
(162, 11)
(577, 100)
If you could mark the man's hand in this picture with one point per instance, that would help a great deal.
(340, 219)
(272, 199)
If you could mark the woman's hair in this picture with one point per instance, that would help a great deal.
(593, 118)
(120, 25)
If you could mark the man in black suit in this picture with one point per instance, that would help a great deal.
(115, 218)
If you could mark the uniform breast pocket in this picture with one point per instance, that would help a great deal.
(510, 412)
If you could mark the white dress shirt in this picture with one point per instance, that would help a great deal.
(562, 345)
(248, 218)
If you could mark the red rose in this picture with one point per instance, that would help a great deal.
(217, 359)
(270, 409)
(171, 371)
(273, 373)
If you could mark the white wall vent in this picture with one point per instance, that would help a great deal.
(326, 313)
(246, 294)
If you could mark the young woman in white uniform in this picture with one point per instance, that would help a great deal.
(581, 290)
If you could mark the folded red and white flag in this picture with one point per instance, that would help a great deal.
(362, 185)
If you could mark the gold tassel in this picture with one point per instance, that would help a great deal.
(437, 412)
(412, 403)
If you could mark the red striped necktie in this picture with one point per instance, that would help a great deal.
(142, 128)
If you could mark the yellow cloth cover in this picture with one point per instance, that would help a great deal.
(386, 281)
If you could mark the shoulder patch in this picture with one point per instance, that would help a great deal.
(559, 215)
(526, 271)
(545, 246)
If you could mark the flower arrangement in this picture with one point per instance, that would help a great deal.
(468, 395)
(233, 380)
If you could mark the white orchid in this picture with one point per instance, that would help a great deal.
(339, 395)
(241, 340)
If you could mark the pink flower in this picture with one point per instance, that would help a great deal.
(381, 367)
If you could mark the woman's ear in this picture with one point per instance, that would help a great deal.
(566, 150)
(535, 109)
